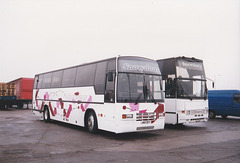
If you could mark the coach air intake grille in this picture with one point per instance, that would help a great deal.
(145, 116)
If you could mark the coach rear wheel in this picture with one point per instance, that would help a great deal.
(46, 116)
(92, 122)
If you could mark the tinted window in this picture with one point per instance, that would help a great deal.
(170, 88)
(35, 81)
(40, 81)
(110, 88)
(130, 87)
(187, 69)
(47, 80)
(154, 87)
(68, 77)
(111, 65)
(236, 98)
(110, 84)
(85, 75)
(57, 79)
(100, 77)
(139, 88)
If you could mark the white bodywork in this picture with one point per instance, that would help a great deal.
(70, 105)
(182, 111)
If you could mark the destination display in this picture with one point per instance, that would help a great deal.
(191, 65)
(138, 66)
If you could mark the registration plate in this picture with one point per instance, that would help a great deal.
(145, 122)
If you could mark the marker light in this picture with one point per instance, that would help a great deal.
(124, 107)
(126, 116)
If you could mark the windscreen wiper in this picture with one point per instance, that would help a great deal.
(153, 99)
(155, 102)
(138, 98)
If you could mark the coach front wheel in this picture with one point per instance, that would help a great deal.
(92, 122)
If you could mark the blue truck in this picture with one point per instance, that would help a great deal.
(224, 103)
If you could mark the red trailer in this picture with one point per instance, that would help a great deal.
(17, 93)
(24, 88)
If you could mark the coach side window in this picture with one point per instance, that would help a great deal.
(69, 77)
(110, 82)
(100, 77)
(36, 81)
(85, 75)
(57, 79)
(47, 78)
(40, 81)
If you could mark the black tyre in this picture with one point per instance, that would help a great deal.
(46, 115)
(224, 116)
(92, 125)
(212, 114)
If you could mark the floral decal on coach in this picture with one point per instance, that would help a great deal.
(56, 107)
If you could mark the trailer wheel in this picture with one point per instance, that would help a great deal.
(212, 114)
(92, 125)
(46, 115)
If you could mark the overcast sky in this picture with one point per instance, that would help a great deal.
(42, 35)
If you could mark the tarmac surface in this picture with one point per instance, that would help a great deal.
(26, 138)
